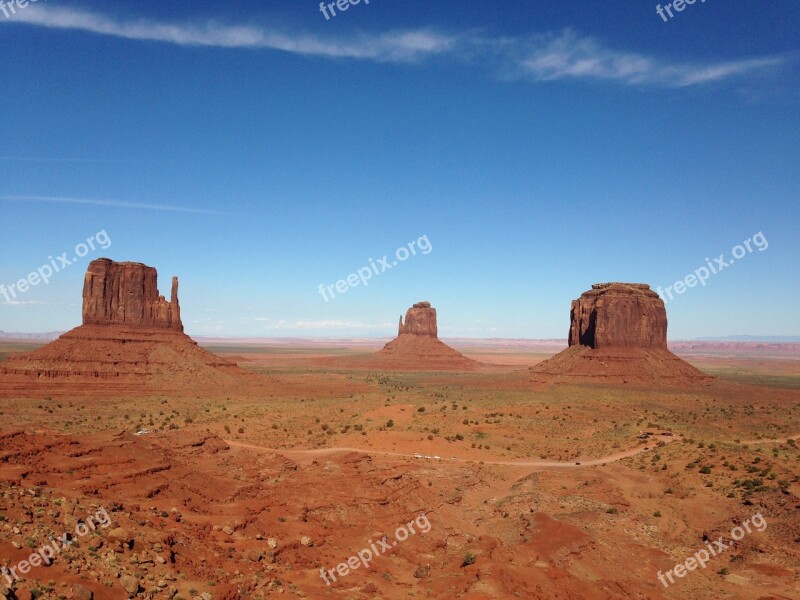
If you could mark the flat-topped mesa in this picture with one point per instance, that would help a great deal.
(126, 293)
(618, 315)
(420, 320)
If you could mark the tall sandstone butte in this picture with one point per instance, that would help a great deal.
(420, 320)
(618, 315)
(417, 345)
(618, 334)
(126, 293)
(131, 341)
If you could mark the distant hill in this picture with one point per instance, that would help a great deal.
(773, 339)
(30, 337)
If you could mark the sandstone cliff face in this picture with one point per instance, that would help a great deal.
(618, 315)
(420, 320)
(131, 342)
(126, 293)
(417, 345)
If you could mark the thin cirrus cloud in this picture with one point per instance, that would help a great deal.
(56, 159)
(569, 56)
(114, 203)
(391, 46)
(539, 57)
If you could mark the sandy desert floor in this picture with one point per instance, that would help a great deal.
(512, 489)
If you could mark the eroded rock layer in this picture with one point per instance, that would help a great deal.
(618, 315)
(126, 293)
(618, 335)
(417, 345)
(132, 339)
(420, 320)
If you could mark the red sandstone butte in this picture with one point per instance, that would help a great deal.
(417, 345)
(420, 320)
(126, 293)
(131, 340)
(618, 315)
(618, 334)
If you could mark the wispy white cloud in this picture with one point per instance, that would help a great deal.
(66, 160)
(391, 46)
(22, 303)
(570, 56)
(540, 57)
(114, 203)
(304, 324)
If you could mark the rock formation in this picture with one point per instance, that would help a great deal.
(131, 338)
(126, 293)
(417, 345)
(618, 334)
(618, 315)
(420, 320)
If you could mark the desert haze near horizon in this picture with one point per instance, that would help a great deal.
(373, 300)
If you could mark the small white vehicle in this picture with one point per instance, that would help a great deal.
(437, 458)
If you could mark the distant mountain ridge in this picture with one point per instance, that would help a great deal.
(774, 339)
(36, 337)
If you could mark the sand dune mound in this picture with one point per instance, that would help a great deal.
(618, 334)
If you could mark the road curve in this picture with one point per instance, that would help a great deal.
(577, 464)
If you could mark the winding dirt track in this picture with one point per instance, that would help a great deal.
(611, 458)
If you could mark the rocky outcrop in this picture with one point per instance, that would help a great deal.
(618, 335)
(126, 293)
(618, 315)
(420, 320)
(131, 342)
(417, 345)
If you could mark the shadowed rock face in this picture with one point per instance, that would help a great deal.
(618, 315)
(126, 293)
(420, 320)
(618, 335)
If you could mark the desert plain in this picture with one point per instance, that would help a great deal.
(530, 489)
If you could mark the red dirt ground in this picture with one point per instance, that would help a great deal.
(247, 492)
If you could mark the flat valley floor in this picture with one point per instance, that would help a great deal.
(514, 489)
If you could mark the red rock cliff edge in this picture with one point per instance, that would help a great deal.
(126, 293)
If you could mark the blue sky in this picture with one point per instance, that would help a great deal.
(258, 150)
